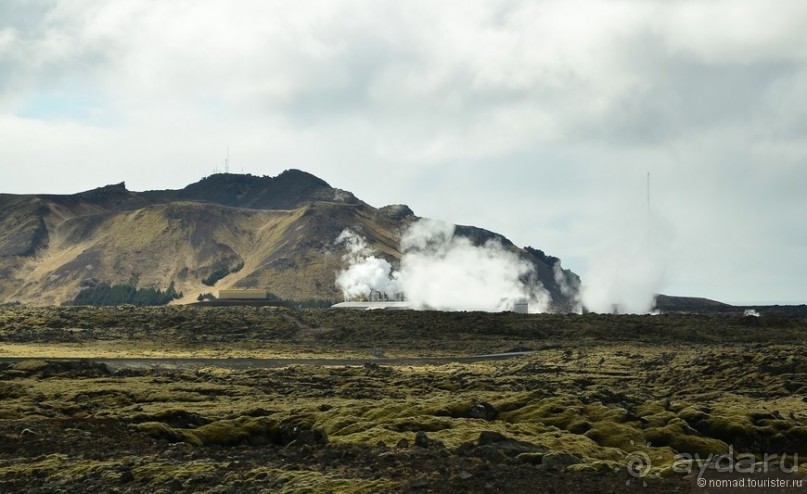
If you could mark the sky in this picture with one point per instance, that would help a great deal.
(538, 119)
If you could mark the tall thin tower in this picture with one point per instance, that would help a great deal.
(227, 161)
(648, 205)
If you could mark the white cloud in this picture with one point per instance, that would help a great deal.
(535, 119)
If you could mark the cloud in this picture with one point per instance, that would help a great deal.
(536, 119)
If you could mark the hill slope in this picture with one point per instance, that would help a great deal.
(259, 232)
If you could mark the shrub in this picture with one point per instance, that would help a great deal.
(220, 273)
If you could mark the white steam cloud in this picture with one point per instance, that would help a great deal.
(439, 270)
(365, 273)
(629, 268)
(570, 288)
(624, 280)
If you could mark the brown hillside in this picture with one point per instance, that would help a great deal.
(275, 233)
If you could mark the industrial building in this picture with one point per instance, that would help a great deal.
(242, 294)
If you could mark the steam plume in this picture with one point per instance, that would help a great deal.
(629, 267)
(365, 273)
(569, 287)
(440, 270)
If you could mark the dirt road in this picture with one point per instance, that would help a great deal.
(253, 363)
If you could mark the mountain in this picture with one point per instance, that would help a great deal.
(289, 190)
(238, 231)
(669, 303)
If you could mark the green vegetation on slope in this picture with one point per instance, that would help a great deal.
(105, 294)
(220, 273)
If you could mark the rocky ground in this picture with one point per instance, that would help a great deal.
(604, 404)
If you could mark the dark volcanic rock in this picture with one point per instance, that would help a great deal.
(483, 410)
(560, 460)
(508, 446)
(424, 441)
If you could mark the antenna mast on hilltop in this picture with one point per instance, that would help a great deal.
(648, 205)
(227, 161)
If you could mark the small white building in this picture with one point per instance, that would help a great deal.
(521, 306)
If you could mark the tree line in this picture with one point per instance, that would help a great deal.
(107, 294)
